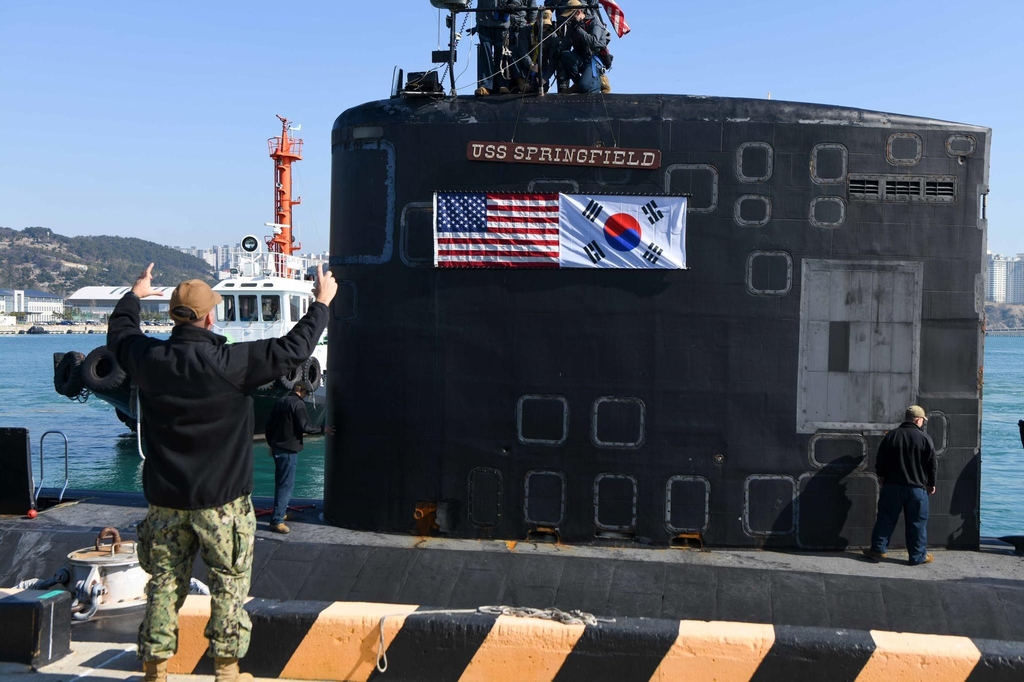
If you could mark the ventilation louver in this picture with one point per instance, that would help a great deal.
(902, 188)
(940, 189)
(866, 188)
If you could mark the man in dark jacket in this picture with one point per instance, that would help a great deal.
(507, 27)
(585, 36)
(287, 424)
(522, 20)
(197, 421)
(906, 467)
(492, 30)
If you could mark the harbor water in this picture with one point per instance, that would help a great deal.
(104, 455)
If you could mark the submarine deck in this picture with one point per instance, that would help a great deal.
(978, 594)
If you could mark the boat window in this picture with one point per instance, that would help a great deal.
(294, 307)
(542, 419)
(417, 234)
(752, 210)
(828, 163)
(698, 181)
(688, 504)
(769, 273)
(618, 422)
(248, 311)
(226, 309)
(754, 162)
(961, 145)
(271, 308)
(903, 149)
(828, 211)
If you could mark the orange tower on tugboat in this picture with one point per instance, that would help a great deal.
(284, 150)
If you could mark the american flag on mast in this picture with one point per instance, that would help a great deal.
(616, 16)
(496, 230)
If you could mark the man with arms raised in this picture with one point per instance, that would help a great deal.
(197, 418)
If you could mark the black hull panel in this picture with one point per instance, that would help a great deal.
(742, 399)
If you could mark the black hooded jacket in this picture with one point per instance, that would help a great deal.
(906, 456)
(288, 423)
(588, 37)
(195, 392)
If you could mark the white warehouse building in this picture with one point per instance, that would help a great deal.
(99, 301)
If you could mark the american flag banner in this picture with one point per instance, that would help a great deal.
(524, 230)
(616, 16)
(495, 230)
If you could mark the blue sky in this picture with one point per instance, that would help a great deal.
(150, 119)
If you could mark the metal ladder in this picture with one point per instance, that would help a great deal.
(42, 438)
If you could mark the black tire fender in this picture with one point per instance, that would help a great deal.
(312, 372)
(101, 371)
(67, 375)
(286, 382)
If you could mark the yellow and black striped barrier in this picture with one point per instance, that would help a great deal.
(342, 641)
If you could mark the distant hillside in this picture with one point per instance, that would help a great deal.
(36, 258)
(1003, 316)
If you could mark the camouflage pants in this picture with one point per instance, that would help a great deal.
(168, 542)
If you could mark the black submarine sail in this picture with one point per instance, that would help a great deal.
(834, 275)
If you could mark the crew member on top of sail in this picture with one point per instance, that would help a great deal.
(585, 36)
(504, 36)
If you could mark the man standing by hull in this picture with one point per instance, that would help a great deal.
(287, 424)
(906, 467)
(197, 419)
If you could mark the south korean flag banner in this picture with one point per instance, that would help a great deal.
(622, 231)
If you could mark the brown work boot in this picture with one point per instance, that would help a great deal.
(874, 555)
(280, 528)
(928, 558)
(523, 86)
(154, 671)
(503, 90)
(226, 670)
(482, 92)
(606, 85)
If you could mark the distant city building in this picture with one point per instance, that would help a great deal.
(225, 258)
(40, 305)
(1005, 278)
(208, 255)
(997, 267)
(1015, 280)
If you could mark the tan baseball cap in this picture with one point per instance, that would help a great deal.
(571, 3)
(914, 412)
(195, 295)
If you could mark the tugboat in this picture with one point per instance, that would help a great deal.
(264, 296)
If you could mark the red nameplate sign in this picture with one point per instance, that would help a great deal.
(564, 155)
